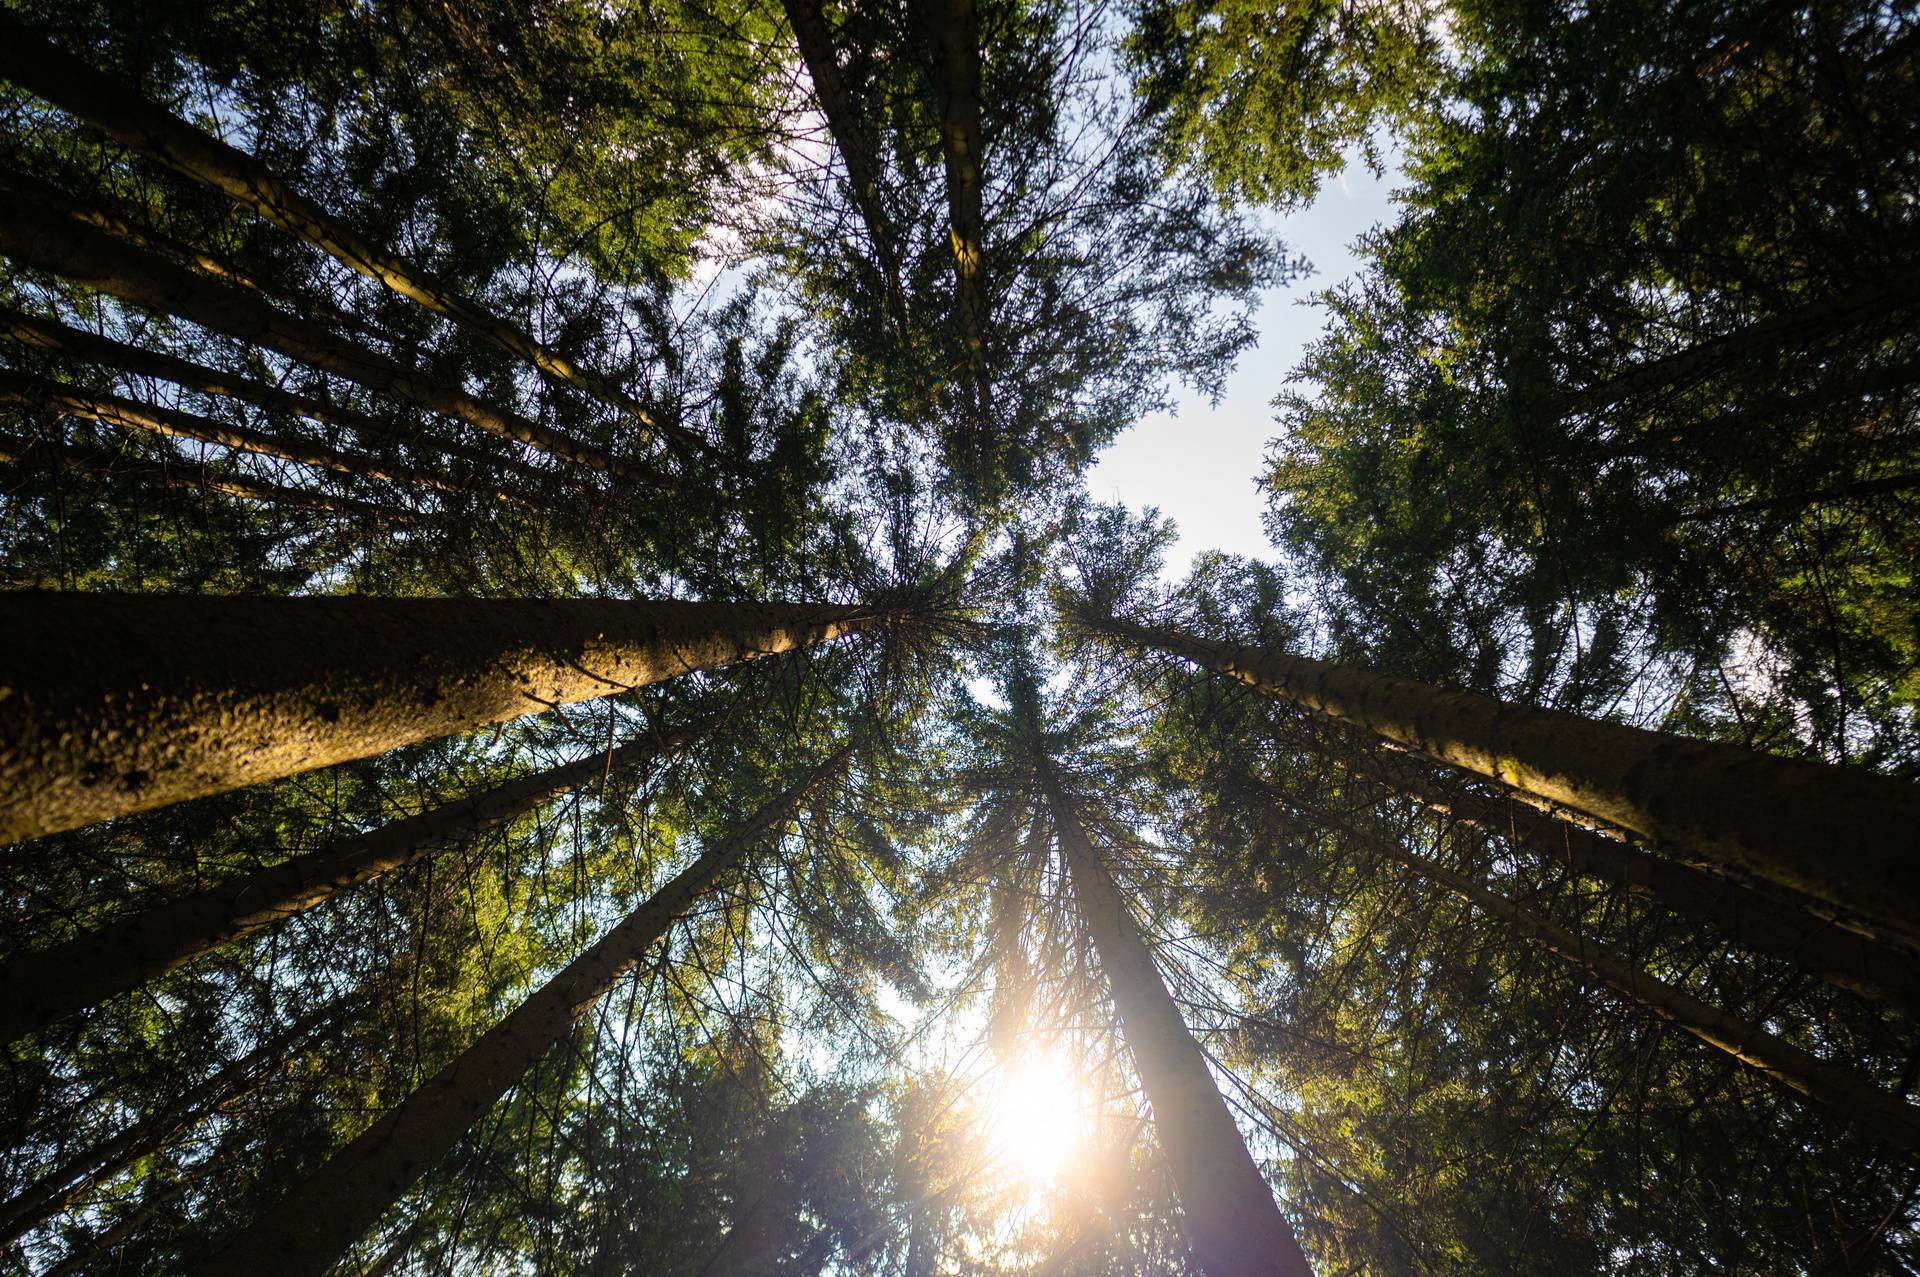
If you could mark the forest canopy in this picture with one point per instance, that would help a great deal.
(566, 705)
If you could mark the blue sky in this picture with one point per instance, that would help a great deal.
(1199, 463)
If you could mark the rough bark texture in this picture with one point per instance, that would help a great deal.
(1873, 1111)
(1232, 1224)
(39, 987)
(107, 104)
(18, 450)
(856, 147)
(1840, 835)
(39, 333)
(307, 1232)
(16, 388)
(112, 704)
(48, 1195)
(36, 237)
(1745, 914)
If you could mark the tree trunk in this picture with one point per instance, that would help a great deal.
(1839, 835)
(1763, 341)
(16, 388)
(1888, 975)
(856, 147)
(1852, 490)
(952, 31)
(1232, 1224)
(39, 987)
(121, 703)
(1872, 1111)
(39, 333)
(35, 237)
(312, 1227)
(106, 103)
(47, 1196)
(17, 450)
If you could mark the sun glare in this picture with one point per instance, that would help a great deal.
(1036, 1117)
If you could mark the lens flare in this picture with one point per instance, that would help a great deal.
(1036, 1117)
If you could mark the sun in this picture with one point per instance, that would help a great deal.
(1035, 1116)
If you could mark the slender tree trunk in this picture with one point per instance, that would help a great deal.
(1837, 834)
(48, 1195)
(39, 987)
(18, 450)
(121, 703)
(1873, 1112)
(35, 237)
(307, 1231)
(1764, 340)
(1887, 974)
(1232, 1223)
(952, 31)
(17, 388)
(38, 333)
(856, 147)
(1853, 490)
(107, 104)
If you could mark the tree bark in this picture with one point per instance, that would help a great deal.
(1232, 1224)
(17, 450)
(120, 703)
(1840, 835)
(38, 333)
(106, 103)
(1883, 973)
(307, 1232)
(47, 1196)
(856, 147)
(17, 388)
(35, 237)
(37, 988)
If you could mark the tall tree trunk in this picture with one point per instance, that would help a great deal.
(121, 703)
(1872, 1110)
(308, 1230)
(18, 450)
(1837, 834)
(107, 104)
(1763, 341)
(850, 135)
(39, 333)
(951, 29)
(17, 388)
(38, 987)
(47, 1196)
(1232, 1223)
(35, 237)
(1884, 973)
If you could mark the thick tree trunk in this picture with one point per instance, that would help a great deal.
(38, 333)
(856, 147)
(1874, 1112)
(107, 104)
(1840, 835)
(121, 703)
(1232, 1224)
(48, 1195)
(1751, 919)
(309, 1229)
(35, 237)
(18, 450)
(16, 388)
(39, 987)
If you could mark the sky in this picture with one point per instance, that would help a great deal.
(1198, 464)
